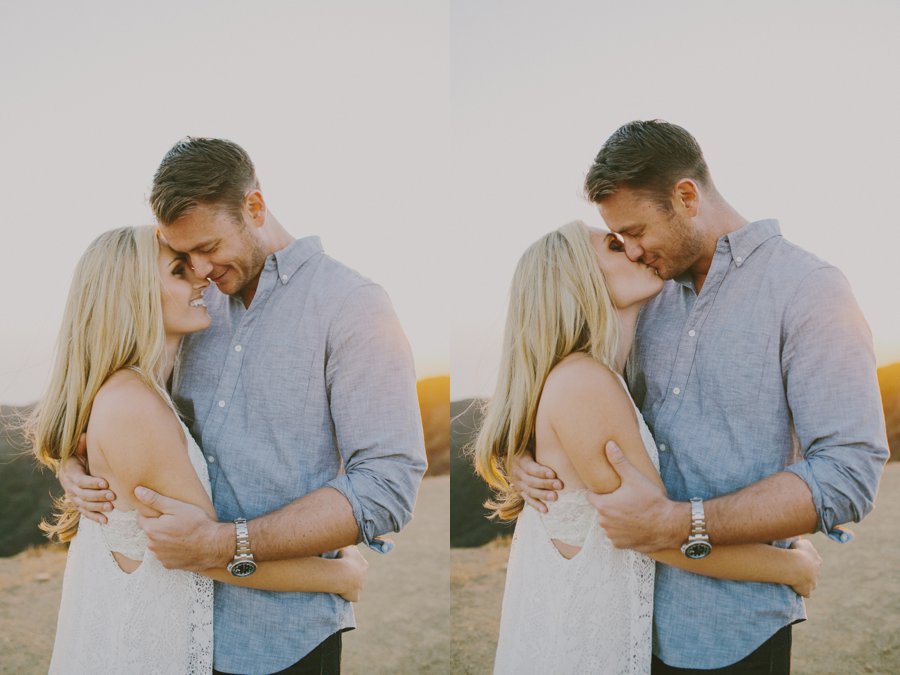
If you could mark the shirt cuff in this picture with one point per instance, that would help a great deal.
(826, 517)
(367, 527)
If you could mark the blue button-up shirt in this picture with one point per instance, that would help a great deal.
(769, 368)
(313, 385)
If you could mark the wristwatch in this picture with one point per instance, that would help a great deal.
(243, 564)
(697, 545)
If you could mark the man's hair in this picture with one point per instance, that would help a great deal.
(201, 171)
(649, 157)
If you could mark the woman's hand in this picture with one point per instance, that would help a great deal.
(91, 495)
(357, 568)
(535, 482)
(808, 567)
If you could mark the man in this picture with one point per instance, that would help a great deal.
(302, 395)
(755, 371)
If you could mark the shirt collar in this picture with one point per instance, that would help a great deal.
(750, 237)
(291, 258)
(739, 244)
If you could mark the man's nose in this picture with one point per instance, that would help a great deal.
(633, 250)
(201, 266)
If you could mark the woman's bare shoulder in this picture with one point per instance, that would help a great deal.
(124, 409)
(578, 376)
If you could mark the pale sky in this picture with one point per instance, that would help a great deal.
(794, 104)
(343, 106)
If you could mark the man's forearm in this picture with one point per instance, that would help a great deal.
(777, 507)
(318, 522)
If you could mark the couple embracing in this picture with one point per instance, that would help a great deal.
(247, 412)
(679, 400)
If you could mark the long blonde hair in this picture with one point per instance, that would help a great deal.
(113, 319)
(558, 304)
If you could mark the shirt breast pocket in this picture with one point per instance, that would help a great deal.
(730, 366)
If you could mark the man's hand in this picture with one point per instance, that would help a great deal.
(91, 495)
(638, 515)
(535, 482)
(183, 536)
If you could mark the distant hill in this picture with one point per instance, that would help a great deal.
(25, 489)
(434, 402)
(889, 382)
(468, 525)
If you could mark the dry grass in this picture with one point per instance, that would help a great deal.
(402, 617)
(854, 615)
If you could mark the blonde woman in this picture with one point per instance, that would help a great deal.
(573, 603)
(132, 300)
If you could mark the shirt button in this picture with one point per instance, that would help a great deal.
(237, 348)
(221, 404)
(739, 259)
(662, 447)
(210, 459)
(675, 391)
(692, 332)
(284, 278)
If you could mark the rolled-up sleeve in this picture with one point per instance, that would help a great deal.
(829, 372)
(371, 384)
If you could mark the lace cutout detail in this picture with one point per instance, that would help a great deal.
(570, 517)
(123, 535)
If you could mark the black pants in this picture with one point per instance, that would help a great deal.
(773, 657)
(323, 660)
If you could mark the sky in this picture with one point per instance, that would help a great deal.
(343, 107)
(795, 105)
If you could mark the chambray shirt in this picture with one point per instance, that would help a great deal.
(769, 368)
(313, 385)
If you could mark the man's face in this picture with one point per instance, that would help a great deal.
(221, 248)
(667, 242)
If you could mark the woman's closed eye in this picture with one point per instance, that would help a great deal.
(615, 243)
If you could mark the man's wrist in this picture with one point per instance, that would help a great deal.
(679, 521)
(222, 544)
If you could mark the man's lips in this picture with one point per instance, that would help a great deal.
(217, 279)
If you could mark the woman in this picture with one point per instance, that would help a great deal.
(132, 300)
(573, 603)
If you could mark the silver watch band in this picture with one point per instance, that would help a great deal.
(698, 516)
(242, 536)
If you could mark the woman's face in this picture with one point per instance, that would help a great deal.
(182, 294)
(629, 283)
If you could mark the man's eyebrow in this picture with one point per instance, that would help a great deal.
(628, 228)
(205, 244)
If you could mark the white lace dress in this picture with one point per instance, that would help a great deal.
(592, 613)
(152, 620)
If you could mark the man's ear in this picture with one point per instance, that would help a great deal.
(686, 196)
(256, 207)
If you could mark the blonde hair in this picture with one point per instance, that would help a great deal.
(558, 305)
(113, 319)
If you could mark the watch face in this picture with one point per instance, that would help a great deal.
(243, 568)
(697, 550)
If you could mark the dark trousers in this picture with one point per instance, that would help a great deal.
(323, 660)
(773, 657)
